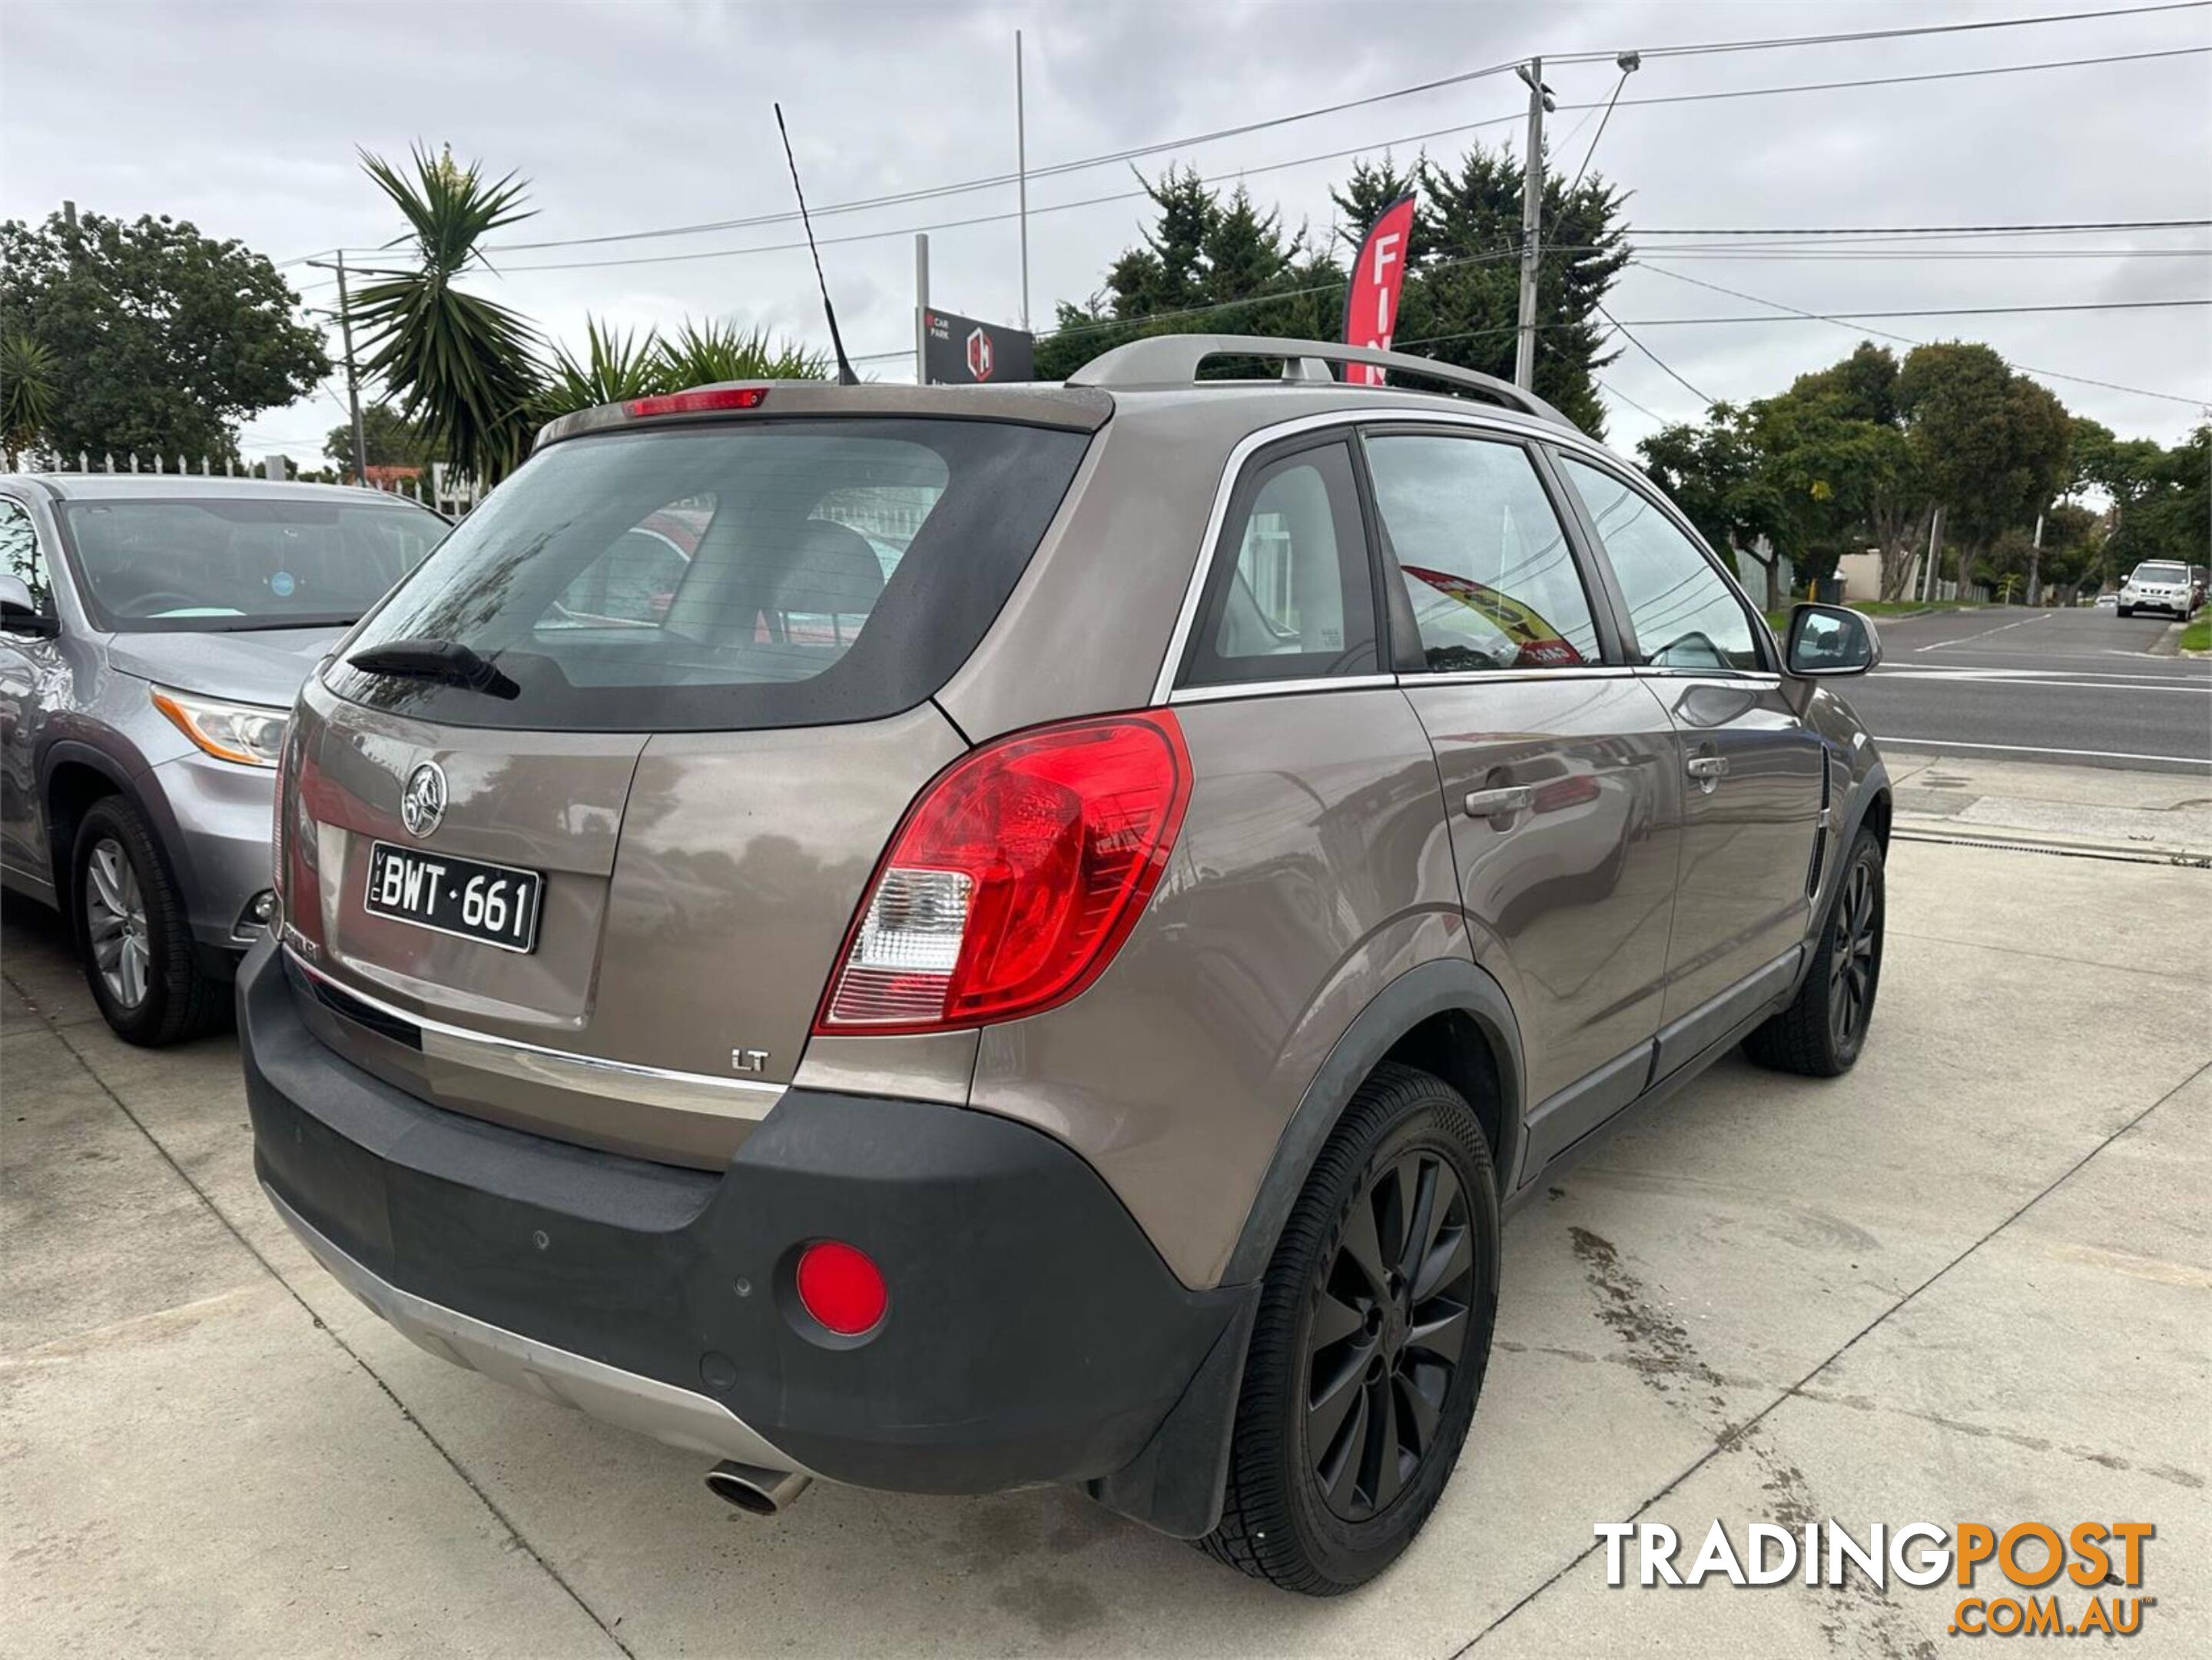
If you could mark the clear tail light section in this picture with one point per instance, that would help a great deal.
(1014, 878)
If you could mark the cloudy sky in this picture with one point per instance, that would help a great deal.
(630, 116)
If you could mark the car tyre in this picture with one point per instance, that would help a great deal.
(1821, 1032)
(133, 935)
(1371, 1337)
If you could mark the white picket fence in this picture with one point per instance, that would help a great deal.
(451, 493)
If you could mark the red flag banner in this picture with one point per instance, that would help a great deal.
(1370, 308)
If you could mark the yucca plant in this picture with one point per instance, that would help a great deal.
(615, 366)
(463, 366)
(700, 354)
(29, 371)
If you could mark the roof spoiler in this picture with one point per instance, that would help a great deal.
(1173, 360)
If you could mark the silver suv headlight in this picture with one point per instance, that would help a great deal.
(246, 734)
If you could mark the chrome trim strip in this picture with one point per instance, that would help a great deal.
(1505, 422)
(1477, 676)
(534, 1063)
(677, 1417)
(1222, 694)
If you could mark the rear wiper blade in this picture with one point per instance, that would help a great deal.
(445, 660)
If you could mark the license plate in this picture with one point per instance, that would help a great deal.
(495, 904)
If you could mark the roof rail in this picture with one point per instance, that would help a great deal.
(1173, 360)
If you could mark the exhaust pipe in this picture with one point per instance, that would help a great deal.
(755, 1490)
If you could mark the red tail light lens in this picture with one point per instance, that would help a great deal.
(1014, 879)
(700, 403)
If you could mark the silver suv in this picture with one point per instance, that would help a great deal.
(154, 631)
(951, 938)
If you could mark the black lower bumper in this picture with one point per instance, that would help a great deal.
(1033, 1334)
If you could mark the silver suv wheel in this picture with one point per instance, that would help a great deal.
(115, 922)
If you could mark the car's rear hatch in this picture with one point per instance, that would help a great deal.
(668, 692)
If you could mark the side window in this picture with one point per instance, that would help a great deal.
(20, 555)
(1488, 570)
(1684, 614)
(1290, 596)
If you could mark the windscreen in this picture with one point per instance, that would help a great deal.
(2159, 573)
(726, 576)
(202, 564)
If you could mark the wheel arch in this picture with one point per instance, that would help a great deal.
(1445, 1015)
(72, 776)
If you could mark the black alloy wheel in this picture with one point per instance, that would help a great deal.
(1369, 1344)
(1389, 1330)
(1854, 959)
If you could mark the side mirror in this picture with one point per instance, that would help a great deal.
(1830, 640)
(20, 613)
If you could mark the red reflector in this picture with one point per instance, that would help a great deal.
(1017, 876)
(700, 403)
(841, 1287)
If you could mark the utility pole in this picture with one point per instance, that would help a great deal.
(1532, 216)
(352, 374)
(1022, 175)
(1931, 583)
(921, 308)
(353, 377)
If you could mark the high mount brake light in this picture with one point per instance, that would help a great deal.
(699, 402)
(1014, 878)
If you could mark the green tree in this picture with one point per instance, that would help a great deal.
(1721, 475)
(160, 339)
(462, 366)
(389, 438)
(1993, 447)
(1213, 265)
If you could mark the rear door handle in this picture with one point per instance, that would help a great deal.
(1497, 803)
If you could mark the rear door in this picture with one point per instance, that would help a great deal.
(712, 650)
(1557, 762)
(1753, 773)
(31, 677)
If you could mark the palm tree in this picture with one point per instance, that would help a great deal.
(700, 354)
(465, 368)
(28, 371)
(615, 366)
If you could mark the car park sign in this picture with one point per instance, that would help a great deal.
(963, 351)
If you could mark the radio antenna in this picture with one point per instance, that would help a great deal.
(845, 375)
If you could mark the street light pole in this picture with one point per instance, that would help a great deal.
(1532, 214)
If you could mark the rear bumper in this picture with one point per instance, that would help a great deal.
(1033, 1335)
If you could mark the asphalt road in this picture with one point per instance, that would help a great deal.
(2079, 686)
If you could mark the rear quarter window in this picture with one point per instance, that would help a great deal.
(729, 576)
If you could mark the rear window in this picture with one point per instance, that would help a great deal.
(722, 577)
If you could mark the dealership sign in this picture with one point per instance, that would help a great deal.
(961, 351)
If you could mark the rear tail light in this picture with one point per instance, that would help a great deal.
(1014, 878)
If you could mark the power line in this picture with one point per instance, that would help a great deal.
(1701, 48)
(1611, 391)
(1109, 158)
(1929, 310)
(1702, 399)
(2054, 226)
(1904, 339)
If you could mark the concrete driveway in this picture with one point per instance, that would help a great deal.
(1973, 1280)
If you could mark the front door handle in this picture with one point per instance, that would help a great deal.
(1707, 769)
(1496, 804)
